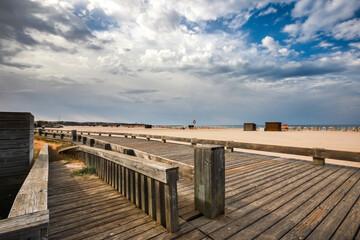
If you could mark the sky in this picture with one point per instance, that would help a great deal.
(170, 62)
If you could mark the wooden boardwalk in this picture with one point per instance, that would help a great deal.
(266, 198)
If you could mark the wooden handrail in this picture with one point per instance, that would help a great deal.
(29, 215)
(302, 151)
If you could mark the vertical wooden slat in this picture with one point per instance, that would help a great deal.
(144, 194)
(171, 202)
(116, 177)
(132, 186)
(160, 208)
(123, 181)
(137, 189)
(127, 178)
(151, 198)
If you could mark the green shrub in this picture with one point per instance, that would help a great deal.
(84, 170)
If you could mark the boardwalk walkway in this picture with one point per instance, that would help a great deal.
(266, 198)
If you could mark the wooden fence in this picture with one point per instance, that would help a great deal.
(318, 154)
(151, 186)
(29, 215)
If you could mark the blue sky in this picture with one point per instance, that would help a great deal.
(169, 62)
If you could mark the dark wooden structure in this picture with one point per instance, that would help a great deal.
(16, 155)
(148, 126)
(249, 127)
(209, 180)
(273, 126)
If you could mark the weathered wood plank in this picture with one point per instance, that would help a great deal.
(32, 196)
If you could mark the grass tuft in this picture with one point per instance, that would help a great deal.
(84, 170)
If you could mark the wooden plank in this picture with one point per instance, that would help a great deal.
(32, 196)
(151, 197)
(15, 227)
(282, 227)
(137, 190)
(308, 224)
(329, 225)
(144, 193)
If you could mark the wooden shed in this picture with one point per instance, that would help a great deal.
(16, 155)
(273, 126)
(249, 127)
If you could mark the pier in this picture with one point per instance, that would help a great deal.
(266, 197)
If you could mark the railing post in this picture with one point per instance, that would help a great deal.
(171, 201)
(318, 160)
(54, 135)
(79, 138)
(84, 140)
(40, 132)
(73, 132)
(209, 178)
(62, 136)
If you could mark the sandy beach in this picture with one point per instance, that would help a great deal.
(335, 140)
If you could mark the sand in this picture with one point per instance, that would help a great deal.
(335, 140)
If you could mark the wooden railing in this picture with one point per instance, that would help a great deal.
(186, 171)
(150, 185)
(29, 215)
(318, 154)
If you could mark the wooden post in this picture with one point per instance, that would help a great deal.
(92, 142)
(45, 134)
(54, 135)
(40, 132)
(209, 175)
(73, 132)
(84, 140)
(79, 138)
(62, 136)
(163, 140)
(171, 201)
(318, 159)
(109, 134)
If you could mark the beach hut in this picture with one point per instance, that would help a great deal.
(273, 126)
(249, 127)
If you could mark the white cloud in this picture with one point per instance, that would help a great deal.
(320, 17)
(355, 45)
(274, 46)
(324, 44)
(239, 20)
(268, 11)
(349, 30)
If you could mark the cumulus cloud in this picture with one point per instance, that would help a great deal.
(319, 16)
(268, 11)
(348, 30)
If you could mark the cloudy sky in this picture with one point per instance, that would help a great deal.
(170, 62)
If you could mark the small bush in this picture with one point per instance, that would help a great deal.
(84, 170)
